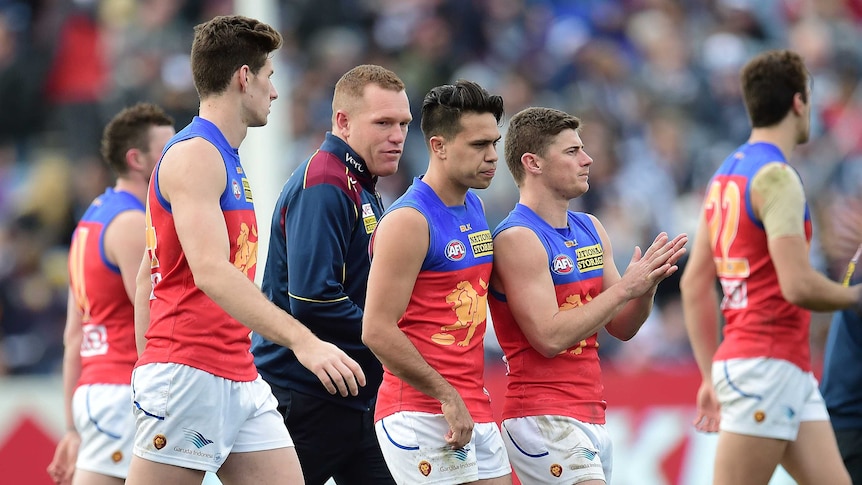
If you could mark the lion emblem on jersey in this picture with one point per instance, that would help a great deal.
(246, 252)
(470, 308)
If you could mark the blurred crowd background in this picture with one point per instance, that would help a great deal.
(655, 82)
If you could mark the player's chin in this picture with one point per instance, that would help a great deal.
(481, 184)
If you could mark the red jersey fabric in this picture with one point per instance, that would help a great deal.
(186, 326)
(759, 322)
(108, 351)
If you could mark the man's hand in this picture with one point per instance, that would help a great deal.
(335, 369)
(708, 409)
(62, 467)
(460, 422)
(645, 272)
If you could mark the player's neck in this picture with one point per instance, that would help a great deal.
(224, 113)
(134, 186)
(778, 135)
(552, 210)
(450, 193)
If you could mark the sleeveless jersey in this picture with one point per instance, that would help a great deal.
(759, 322)
(186, 326)
(445, 318)
(570, 383)
(108, 351)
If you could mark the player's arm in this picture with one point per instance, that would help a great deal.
(399, 247)
(779, 202)
(639, 275)
(700, 300)
(192, 178)
(143, 289)
(521, 268)
(124, 244)
(701, 315)
(62, 465)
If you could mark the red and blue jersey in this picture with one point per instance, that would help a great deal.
(570, 383)
(186, 326)
(108, 351)
(759, 322)
(446, 315)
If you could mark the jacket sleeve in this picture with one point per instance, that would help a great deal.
(318, 225)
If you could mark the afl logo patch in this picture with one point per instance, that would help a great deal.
(237, 192)
(562, 264)
(455, 250)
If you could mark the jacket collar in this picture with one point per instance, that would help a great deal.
(354, 163)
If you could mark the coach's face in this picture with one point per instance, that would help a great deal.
(377, 127)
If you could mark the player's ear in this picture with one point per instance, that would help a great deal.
(798, 103)
(438, 146)
(531, 163)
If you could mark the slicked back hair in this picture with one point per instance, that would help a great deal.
(130, 128)
(532, 130)
(769, 82)
(444, 105)
(226, 43)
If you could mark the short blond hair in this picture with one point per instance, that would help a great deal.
(351, 87)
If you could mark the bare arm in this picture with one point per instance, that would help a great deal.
(62, 466)
(804, 286)
(143, 288)
(394, 270)
(192, 177)
(700, 301)
(521, 270)
(72, 337)
(701, 314)
(124, 244)
(779, 201)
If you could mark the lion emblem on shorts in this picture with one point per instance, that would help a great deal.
(759, 416)
(117, 456)
(424, 468)
(556, 470)
(159, 441)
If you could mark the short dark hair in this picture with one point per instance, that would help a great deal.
(444, 105)
(769, 82)
(226, 43)
(531, 131)
(130, 128)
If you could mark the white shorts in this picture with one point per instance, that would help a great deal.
(104, 419)
(193, 419)
(766, 397)
(416, 451)
(558, 449)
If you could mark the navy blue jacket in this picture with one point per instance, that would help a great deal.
(841, 384)
(317, 266)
